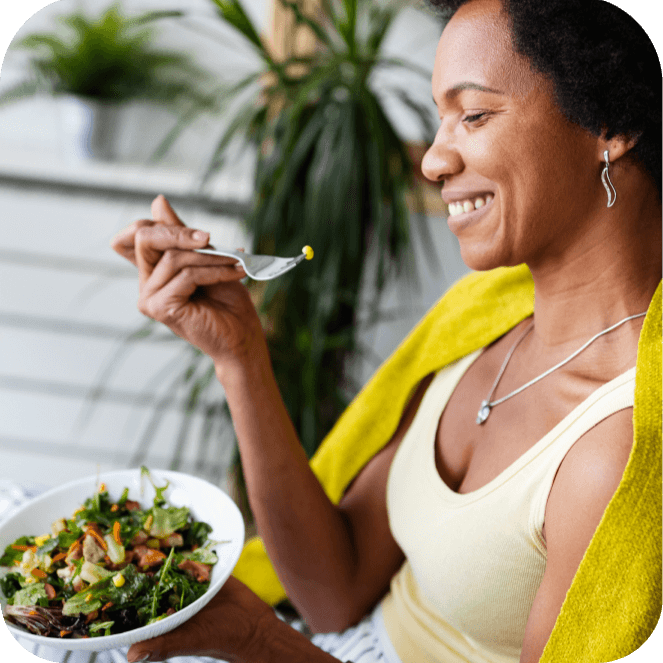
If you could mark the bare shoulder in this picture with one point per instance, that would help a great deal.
(587, 479)
(585, 483)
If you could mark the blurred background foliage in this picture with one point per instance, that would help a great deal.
(110, 59)
(331, 172)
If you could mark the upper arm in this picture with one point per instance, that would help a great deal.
(364, 506)
(585, 483)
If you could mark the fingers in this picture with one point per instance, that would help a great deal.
(138, 653)
(151, 242)
(151, 650)
(180, 272)
(166, 294)
(162, 211)
(173, 261)
(123, 243)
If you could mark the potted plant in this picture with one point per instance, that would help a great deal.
(96, 65)
(331, 172)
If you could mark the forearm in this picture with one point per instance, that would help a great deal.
(307, 537)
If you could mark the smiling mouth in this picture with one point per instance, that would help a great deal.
(469, 205)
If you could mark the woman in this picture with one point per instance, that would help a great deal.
(531, 435)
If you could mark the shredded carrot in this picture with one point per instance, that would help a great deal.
(114, 508)
(24, 548)
(98, 538)
(74, 546)
(63, 633)
(59, 556)
(116, 533)
(38, 573)
(153, 557)
(108, 605)
(102, 487)
(32, 612)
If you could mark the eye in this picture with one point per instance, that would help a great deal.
(475, 117)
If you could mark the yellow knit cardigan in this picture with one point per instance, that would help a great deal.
(614, 601)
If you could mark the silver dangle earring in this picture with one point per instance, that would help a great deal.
(605, 178)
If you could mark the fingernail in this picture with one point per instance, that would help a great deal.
(199, 235)
(138, 657)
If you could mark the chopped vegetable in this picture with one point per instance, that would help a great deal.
(113, 566)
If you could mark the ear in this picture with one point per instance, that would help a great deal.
(617, 146)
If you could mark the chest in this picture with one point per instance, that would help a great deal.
(470, 455)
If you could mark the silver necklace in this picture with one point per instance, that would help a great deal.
(487, 405)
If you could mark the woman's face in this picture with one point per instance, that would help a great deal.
(504, 150)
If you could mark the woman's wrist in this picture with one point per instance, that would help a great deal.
(250, 366)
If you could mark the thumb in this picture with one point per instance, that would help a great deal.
(150, 650)
(162, 211)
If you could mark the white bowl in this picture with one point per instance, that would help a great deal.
(206, 502)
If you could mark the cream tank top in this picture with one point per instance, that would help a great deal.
(474, 561)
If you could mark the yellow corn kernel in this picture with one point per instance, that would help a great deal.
(41, 540)
(88, 598)
(148, 523)
(308, 251)
(118, 580)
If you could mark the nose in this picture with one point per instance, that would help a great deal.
(441, 160)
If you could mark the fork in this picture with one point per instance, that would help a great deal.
(261, 267)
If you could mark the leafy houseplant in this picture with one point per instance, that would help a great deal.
(107, 61)
(331, 172)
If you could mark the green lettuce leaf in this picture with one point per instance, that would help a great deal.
(105, 590)
(167, 521)
(31, 595)
(203, 555)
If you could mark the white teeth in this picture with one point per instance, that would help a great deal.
(468, 205)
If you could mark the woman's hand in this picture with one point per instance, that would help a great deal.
(231, 627)
(197, 295)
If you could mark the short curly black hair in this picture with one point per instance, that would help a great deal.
(604, 68)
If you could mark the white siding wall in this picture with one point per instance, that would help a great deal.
(66, 300)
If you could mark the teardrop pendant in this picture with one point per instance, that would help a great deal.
(484, 411)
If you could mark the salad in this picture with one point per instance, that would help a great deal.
(111, 567)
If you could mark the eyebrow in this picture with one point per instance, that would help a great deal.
(467, 85)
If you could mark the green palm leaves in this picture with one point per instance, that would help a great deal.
(333, 173)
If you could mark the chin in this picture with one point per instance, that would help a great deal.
(482, 258)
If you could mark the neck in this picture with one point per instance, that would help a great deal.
(611, 273)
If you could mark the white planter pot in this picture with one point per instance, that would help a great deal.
(89, 128)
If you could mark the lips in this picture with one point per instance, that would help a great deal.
(469, 205)
(457, 220)
(461, 195)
